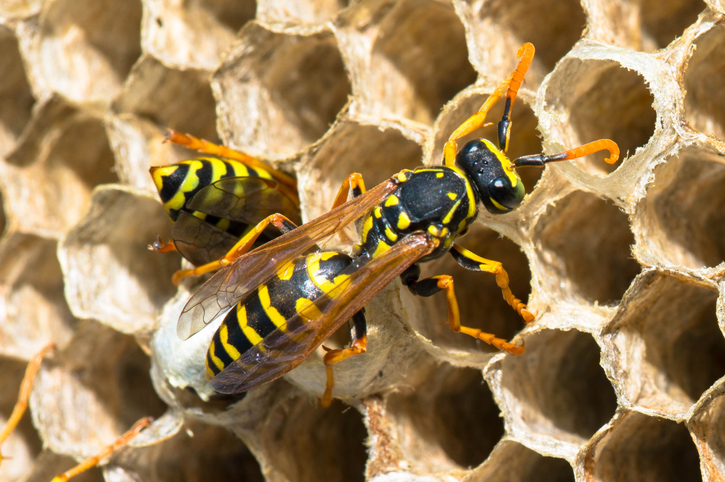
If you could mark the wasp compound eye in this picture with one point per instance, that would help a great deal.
(505, 194)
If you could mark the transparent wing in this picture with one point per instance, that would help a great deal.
(232, 282)
(289, 345)
(244, 199)
(199, 241)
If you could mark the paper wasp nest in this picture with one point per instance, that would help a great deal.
(622, 378)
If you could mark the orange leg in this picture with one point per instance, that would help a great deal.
(162, 247)
(25, 388)
(355, 182)
(445, 282)
(243, 245)
(207, 147)
(93, 461)
(474, 262)
(333, 357)
(512, 83)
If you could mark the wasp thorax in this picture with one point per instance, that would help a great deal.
(492, 175)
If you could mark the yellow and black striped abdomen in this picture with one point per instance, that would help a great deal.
(294, 287)
(179, 183)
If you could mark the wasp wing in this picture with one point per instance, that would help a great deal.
(244, 199)
(289, 345)
(234, 281)
(236, 203)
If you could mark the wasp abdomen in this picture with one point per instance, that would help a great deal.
(268, 308)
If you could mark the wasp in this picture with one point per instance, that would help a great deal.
(214, 201)
(288, 296)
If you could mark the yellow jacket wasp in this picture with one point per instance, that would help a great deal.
(287, 296)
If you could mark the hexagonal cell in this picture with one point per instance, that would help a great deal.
(49, 177)
(642, 448)
(600, 99)
(281, 114)
(682, 208)
(524, 136)
(450, 421)
(35, 311)
(501, 27)
(662, 22)
(296, 11)
(707, 426)
(512, 462)
(419, 61)
(307, 443)
(170, 98)
(376, 152)
(101, 376)
(16, 98)
(23, 445)
(586, 242)
(479, 297)
(705, 101)
(193, 33)
(198, 452)
(668, 342)
(89, 46)
(559, 387)
(106, 262)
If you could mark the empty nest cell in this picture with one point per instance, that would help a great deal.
(602, 100)
(705, 99)
(683, 208)
(450, 421)
(560, 383)
(586, 241)
(290, 87)
(479, 297)
(16, 98)
(419, 61)
(106, 261)
(512, 462)
(51, 174)
(308, 443)
(89, 46)
(500, 27)
(641, 448)
(662, 22)
(668, 342)
(170, 98)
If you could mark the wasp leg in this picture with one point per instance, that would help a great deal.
(93, 461)
(512, 83)
(333, 357)
(430, 286)
(162, 247)
(474, 262)
(538, 160)
(204, 146)
(277, 220)
(355, 182)
(25, 388)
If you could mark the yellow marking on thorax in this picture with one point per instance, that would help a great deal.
(217, 362)
(307, 310)
(392, 201)
(469, 192)
(274, 315)
(453, 210)
(392, 237)
(403, 221)
(377, 212)
(285, 272)
(381, 248)
(229, 348)
(367, 226)
(439, 175)
(248, 331)
(451, 196)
